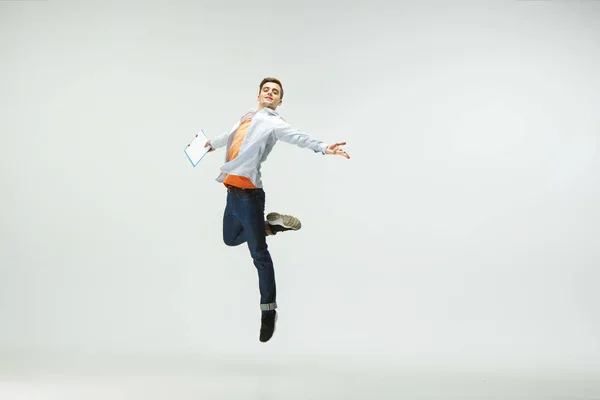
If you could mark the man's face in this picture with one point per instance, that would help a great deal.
(269, 96)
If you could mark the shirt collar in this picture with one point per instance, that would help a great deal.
(265, 110)
(270, 111)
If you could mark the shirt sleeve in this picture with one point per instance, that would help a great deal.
(221, 139)
(286, 133)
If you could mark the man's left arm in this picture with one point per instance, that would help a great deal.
(286, 133)
(289, 134)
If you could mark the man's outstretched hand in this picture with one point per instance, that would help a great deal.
(336, 148)
(207, 144)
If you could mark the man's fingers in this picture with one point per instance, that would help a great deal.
(334, 149)
(207, 144)
(343, 153)
(334, 145)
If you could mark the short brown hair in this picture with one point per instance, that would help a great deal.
(273, 80)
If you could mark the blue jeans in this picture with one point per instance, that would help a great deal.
(244, 222)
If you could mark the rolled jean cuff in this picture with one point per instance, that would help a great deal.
(268, 306)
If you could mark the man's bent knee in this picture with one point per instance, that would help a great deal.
(230, 242)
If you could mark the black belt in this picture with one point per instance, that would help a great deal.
(235, 189)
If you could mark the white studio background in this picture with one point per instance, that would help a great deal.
(463, 231)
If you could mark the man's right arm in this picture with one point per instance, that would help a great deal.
(221, 140)
(218, 141)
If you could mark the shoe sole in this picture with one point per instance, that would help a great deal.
(287, 221)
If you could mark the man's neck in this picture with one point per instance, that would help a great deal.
(260, 107)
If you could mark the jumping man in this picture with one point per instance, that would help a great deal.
(248, 144)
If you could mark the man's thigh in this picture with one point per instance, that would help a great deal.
(252, 217)
(233, 230)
